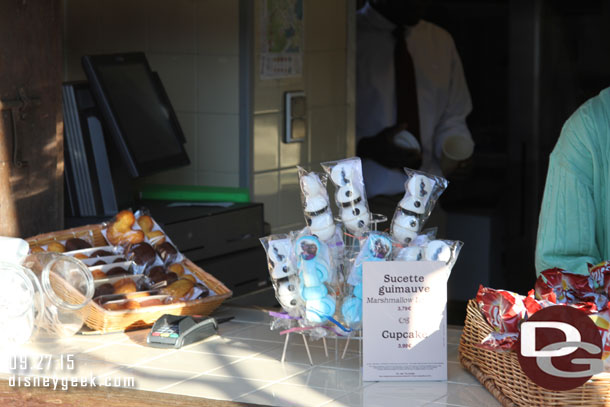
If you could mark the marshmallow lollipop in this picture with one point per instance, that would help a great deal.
(377, 247)
(349, 196)
(279, 255)
(313, 266)
(421, 193)
(282, 271)
(317, 211)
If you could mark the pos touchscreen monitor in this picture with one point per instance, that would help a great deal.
(137, 112)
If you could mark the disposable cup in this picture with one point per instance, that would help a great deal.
(456, 149)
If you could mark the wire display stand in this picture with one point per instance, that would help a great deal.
(352, 245)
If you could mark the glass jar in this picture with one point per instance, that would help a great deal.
(67, 286)
(21, 302)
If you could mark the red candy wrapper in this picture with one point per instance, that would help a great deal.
(504, 309)
(499, 342)
(600, 277)
(602, 320)
(562, 287)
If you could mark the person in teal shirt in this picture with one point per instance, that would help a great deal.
(575, 216)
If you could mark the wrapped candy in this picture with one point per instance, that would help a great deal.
(316, 204)
(422, 190)
(599, 277)
(563, 287)
(377, 247)
(350, 196)
(502, 309)
(314, 274)
(602, 321)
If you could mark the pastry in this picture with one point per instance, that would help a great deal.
(120, 230)
(142, 254)
(113, 306)
(104, 289)
(190, 277)
(131, 304)
(97, 274)
(101, 253)
(156, 237)
(156, 274)
(124, 286)
(178, 288)
(81, 256)
(99, 263)
(170, 277)
(151, 302)
(176, 268)
(77, 244)
(116, 271)
(205, 291)
(36, 249)
(146, 223)
(56, 247)
(167, 251)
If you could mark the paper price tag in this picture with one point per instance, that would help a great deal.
(404, 321)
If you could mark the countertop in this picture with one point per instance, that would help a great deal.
(241, 364)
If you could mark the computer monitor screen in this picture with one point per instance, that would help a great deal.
(137, 112)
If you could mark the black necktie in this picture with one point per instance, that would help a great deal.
(406, 91)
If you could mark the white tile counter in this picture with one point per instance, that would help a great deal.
(243, 364)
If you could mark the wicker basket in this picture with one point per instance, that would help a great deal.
(100, 319)
(501, 374)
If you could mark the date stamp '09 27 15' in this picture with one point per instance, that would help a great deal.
(42, 363)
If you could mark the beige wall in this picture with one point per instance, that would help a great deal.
(193, 45)
(330, 107)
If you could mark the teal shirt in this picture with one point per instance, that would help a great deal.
(574, 218)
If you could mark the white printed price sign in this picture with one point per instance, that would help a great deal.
(404, 320)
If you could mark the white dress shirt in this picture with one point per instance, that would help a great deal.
(442, 92)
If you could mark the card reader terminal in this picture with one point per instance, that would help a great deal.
(175, 331)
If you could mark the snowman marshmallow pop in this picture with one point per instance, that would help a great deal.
(377, 247)
(421, 193)
(282, 271)
(316, 205)
(313, 265)
(446, 251)
(350, 197)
